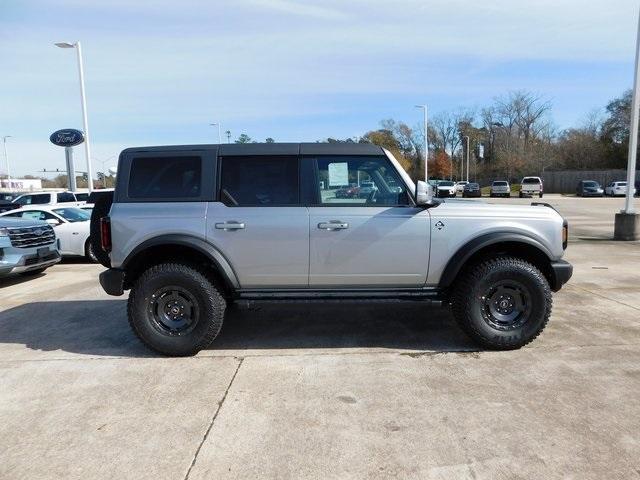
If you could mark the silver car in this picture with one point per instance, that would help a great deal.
(190, 229)
(500, 188)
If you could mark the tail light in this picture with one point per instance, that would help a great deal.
(105, 234)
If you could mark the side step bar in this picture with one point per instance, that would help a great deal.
(432, 296)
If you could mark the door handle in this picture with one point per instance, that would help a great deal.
(231, 225)
(333, 225)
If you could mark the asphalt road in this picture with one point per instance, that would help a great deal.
(339, 390)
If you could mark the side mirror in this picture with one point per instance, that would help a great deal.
(53, 221)
(423, 193)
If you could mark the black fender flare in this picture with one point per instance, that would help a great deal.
(212, 253)
(464, 253)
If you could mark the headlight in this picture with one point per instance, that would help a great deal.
(4, 232)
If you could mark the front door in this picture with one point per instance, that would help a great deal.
(364, 231)
(259, 223)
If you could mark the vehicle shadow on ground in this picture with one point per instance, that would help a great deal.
(100, 327)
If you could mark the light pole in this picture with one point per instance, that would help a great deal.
(467, 137)
(6, 157)
(426, 144)
(83, 101)
(228, 132)
(627, 223)
(219, 136)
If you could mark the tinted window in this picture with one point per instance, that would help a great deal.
(259, 180)
(530, 180)
(37, 199)
(360, 180)
(73, 214)
(500, 184)
(66, 197)
(165, 177)
(82, 197)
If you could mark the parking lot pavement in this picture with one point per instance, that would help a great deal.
(341, 390)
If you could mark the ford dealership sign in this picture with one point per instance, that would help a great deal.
(68, 137)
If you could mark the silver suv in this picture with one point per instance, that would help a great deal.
(191, 228)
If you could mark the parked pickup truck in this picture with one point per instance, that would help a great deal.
(26, 246)
(191, 228)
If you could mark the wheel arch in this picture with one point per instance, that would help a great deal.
(498, 243)
(185, 248)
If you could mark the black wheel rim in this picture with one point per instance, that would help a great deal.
(173, 310)
(506, 305)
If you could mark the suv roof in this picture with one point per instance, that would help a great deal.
(271, 148)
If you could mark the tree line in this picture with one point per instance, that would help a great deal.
(513, 137)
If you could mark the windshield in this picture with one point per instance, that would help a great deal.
(473, 185)
(499, 184)
(531, 180)
(445, 184)
(73, 214)
(591, 184)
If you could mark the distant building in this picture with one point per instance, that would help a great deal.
(21, 184)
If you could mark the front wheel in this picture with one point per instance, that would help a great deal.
(503, 303)
(175, 309)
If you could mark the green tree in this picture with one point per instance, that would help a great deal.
(244, 138)
(269, 140)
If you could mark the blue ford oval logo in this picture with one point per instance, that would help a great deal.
(68, 137)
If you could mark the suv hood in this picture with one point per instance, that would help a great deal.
(475, 208)
(20, 222)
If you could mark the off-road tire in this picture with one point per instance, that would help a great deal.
(469, 298)
(100, 209)
(209, 303)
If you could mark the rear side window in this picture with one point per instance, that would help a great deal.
(66, 197)
(82, 197)
(259, 181)
(175, 178)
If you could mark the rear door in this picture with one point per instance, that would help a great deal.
(258, 221)
(373, 238)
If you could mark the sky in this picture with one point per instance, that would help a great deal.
(159, 72)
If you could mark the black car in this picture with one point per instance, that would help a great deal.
(471, 190)
(589, 188)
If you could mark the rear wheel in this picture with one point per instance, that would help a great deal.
(503, 303)
(176, 309)
(90, 253)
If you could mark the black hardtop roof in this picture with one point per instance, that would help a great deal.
(228, 149)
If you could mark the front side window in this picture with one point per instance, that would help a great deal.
(66, 197)
(178, 177)
(367, 181)
(259, 181)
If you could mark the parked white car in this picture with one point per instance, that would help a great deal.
(446, 189)
(460, 186)
(615, 189)
(48, 198)
(531, 186)
(71, 225)
(500, 188)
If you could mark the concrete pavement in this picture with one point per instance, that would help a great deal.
(340, 390)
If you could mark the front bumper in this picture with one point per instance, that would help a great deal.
(112, 281)
(11, 262)
(562, 271)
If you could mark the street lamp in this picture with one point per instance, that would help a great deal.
(426, 144)
(6, 157)
(627, 222)
(83, 101)
(228, 133)
(467, 137)
(219, 136)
